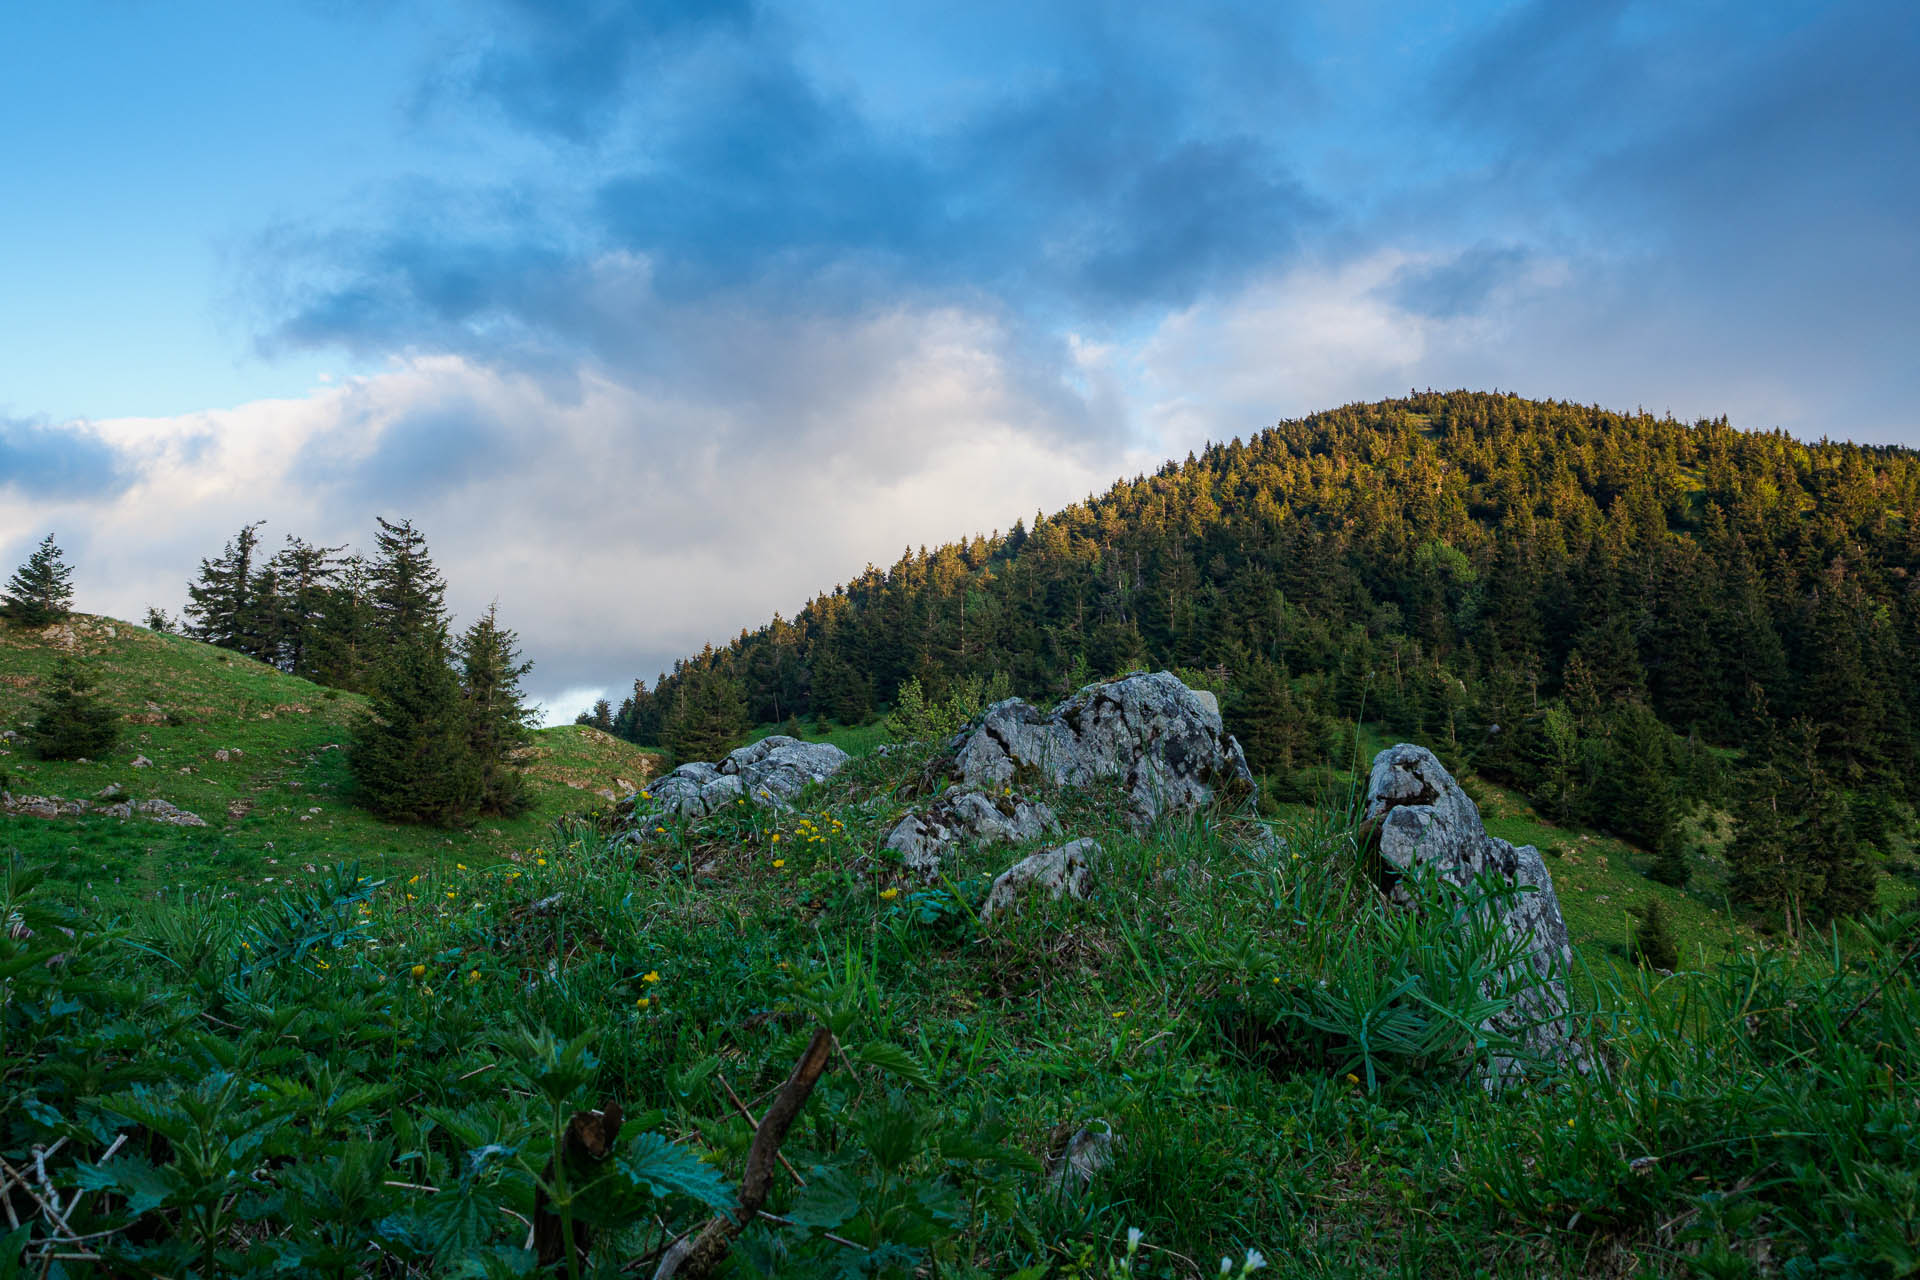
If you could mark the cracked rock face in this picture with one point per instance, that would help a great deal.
(1157, 739)
(770, 772)
(1066, 870)
(1424, 818)
(924, 839)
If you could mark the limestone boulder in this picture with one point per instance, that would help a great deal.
(924, 839)
(1158, 741)
(1065, 871)
(775, 769)
(1422, 818)
(770, 772)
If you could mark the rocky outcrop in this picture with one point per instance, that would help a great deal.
(118, 807)
(1160, 742)
(923, 839)
(1064, 871)
(1422, 818)
(770, 772)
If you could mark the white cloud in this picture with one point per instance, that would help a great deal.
(619, 523)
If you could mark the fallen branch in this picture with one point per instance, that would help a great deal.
(747, 1115)
(698, 1258)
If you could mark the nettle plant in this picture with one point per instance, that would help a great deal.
(260, 1101)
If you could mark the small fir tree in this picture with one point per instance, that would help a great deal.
(496, 722)
(41, 590)
(1670, 865)
(72, 722)
(157, 620)
(1652, 945)
(409, 755)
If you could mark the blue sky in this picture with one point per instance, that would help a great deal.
(705, 305)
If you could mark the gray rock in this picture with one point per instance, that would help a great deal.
(1086, 1153)
(1164, 745)
(924, 839)
(769, 772)
(161, 811)
(1066, 870)
(777, 768)
(112, 791)
(141, 762)
(1425, 819)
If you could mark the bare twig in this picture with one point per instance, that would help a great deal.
(1886, 978)
(700, 1257)
(33, 1195)
(764, 1216)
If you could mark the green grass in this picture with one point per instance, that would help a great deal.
(367, 1073)
(277, 804)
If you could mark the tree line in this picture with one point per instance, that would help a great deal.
(1617, 613)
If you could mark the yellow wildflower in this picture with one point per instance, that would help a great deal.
(473, 975)
(888, 895)
(778, 863)
(539, 862)
(1119, 1013)
(461, 865)
(776, 837)
(642, 1002)
(651, 975)
(1352, 1078)
(418, 971)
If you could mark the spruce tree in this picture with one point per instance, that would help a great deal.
(407, 592)
(410, 755)
(343, 647)
(221, 609)
(72, 722)
(41, 590)
(496, 722)
(1652, 944)
(304, 576)
(710, 716)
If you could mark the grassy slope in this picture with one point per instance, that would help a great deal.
(686, 962)
(272, 809)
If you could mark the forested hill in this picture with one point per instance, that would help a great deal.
(1504, 577)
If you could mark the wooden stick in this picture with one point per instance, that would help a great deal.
(699, 1258)
(741, 1107)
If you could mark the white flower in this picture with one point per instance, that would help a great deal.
(1133, 1239)
(1255, 1261)
(1226, 1265)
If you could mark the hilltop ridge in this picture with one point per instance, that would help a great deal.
(255, 753)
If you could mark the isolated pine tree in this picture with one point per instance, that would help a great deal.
(71, 722)
(409, 755)
(496, 722)
(41, 590)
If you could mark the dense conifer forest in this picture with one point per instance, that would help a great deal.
(1611, 611)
